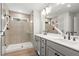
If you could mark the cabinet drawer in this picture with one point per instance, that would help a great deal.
(64, 50)
(52, 52)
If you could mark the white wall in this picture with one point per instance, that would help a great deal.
(76, 24)
(36, 21)
(69, 22)
(42, 24)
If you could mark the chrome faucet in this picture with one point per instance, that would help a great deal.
(69, 35)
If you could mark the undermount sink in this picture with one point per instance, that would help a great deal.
(59, 37)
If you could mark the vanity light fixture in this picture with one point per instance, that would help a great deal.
(48, 9)
(44, 12)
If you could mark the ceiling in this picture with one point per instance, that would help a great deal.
(57, 9)
(26, 7)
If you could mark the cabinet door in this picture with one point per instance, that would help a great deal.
(52, 52)
(37, 39)
(42, 47)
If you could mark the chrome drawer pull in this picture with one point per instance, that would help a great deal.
(57, 54)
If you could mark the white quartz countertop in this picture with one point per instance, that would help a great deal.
(60, 40)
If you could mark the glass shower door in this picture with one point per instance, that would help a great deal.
(3, 26)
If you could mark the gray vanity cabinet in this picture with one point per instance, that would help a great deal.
(63, 49)
(46, 47)
(42, 47)
(37, 44)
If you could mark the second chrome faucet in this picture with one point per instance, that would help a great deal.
(69, 34)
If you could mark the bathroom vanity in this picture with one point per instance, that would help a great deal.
(55, 45)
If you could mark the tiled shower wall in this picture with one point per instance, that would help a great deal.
(19, 31)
